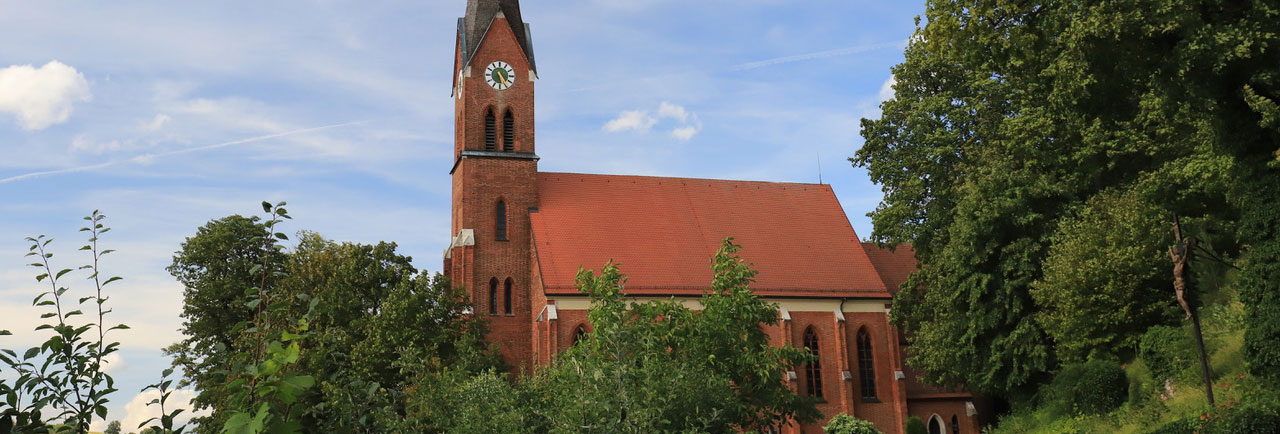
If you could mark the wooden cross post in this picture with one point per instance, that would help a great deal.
(1180, 253)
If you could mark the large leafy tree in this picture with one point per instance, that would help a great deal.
(1009, 117)
(361, 306)
(659, 366)
(215, 268)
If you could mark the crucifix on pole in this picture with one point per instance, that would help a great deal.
(1180, 253)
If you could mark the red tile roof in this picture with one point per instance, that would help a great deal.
(894, 266)
(663, 231)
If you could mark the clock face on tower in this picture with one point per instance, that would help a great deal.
(500, 75)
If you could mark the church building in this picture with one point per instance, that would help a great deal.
(520, 236)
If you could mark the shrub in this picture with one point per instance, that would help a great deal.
(915, 425)
(846, 424)
(1135, 391)
(1180, 426)
(1167, 351)
(1247, 420)
(1094, 387)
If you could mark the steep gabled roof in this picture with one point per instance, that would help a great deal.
(663, 231)
(480, 16)
(894, 266)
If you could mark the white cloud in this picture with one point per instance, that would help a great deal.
(113, 362)
(157, 123)
(672, 111)
(886, 89)
(83, 143)
(685, 133)
(136, 410)
(41, 97)
(638, 120)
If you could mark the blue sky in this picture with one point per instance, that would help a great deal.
(165, 115)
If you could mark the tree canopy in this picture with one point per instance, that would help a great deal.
(1021, 131)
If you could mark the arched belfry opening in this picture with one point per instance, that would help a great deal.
(490, 131)
(508, 132)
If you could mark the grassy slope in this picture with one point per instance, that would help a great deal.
(1147, 408)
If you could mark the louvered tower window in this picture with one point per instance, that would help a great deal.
(490, 132)
(493, 296)
(506, 296)
(508, 132)
(579, 334)
(866, 366)
(813, 370)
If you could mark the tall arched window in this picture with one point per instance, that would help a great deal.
(506, 295)
(490, 131)
(579, 334)
(955, 424)
(493, 296)
(508, 132)
(866, 366)
(500, 221)
(813, 370)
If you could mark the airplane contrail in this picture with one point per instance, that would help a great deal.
(146, 157)
(818, 55)
(770, 62)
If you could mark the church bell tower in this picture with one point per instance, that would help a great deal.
(495, 171)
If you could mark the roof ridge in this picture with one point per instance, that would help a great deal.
(686, 178)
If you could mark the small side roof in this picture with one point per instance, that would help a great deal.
(663, 231)
(895, 265)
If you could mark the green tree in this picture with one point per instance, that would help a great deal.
(214, 267)
(1009, 117)
(113, 427)
(1105, 278)
(659, 366)
(339, 315)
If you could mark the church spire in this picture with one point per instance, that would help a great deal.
(481, 15)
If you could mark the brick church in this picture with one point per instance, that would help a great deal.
(520, 236)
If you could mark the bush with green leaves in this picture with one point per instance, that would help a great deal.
(60, 386)
(1180, 426)
(1093, 387)
(1169, 352)
(1247, 420)
(915, 425)
(846, 424)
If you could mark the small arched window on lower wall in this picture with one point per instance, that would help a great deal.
(955, 424)
(812, 370)
(935, 425)
(866, 366)
(493, 296)
(579, 334)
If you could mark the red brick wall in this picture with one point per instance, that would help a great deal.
(944, 408)
(882, 413)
